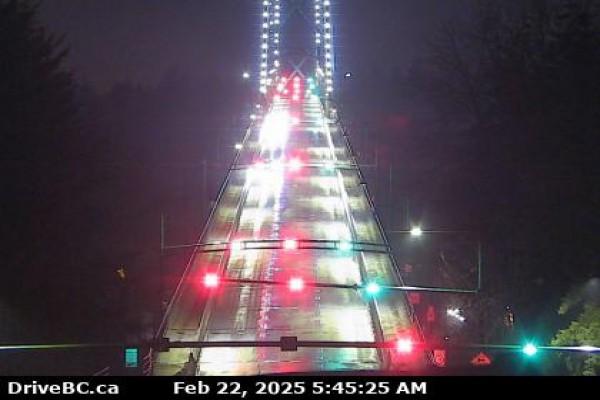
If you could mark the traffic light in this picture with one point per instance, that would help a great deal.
(290, 244)
(530, 349)
(373, 288)
(211, 281)
(345, 246)
(404, 345)
(296, 284)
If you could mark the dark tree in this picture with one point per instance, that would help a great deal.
(36, 91)
(582, 308)
(514, 93)
(37, 137)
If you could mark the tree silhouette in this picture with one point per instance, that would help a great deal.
(514, 94)
(584, 330)
(38, 139)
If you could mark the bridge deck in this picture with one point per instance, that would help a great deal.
(294, 179)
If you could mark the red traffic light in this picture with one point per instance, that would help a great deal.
(290, 244)
(404, 345)
(211, 281)
(296, 284)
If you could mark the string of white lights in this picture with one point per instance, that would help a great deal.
(324, 42)
(270, 43)
(264, 44)
(271, 39)
(276, 30)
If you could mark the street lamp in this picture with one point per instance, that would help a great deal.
(416, 232)
(246, 75)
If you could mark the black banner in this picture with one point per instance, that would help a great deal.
(290, 386)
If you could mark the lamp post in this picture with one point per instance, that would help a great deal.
(417, 232)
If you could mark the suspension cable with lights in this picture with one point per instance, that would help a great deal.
(324, 43)
(270, 43)
(264, 45)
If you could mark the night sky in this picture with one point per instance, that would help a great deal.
(139, 40)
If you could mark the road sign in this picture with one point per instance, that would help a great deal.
(439, 358)
(131, 357)
(481, 360)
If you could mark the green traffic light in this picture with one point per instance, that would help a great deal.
(345, 246)
(373, 288)
(530, 349)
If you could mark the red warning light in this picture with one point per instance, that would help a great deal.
(211, 281)
(290, 244)
(296, 284)
(404, 345)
